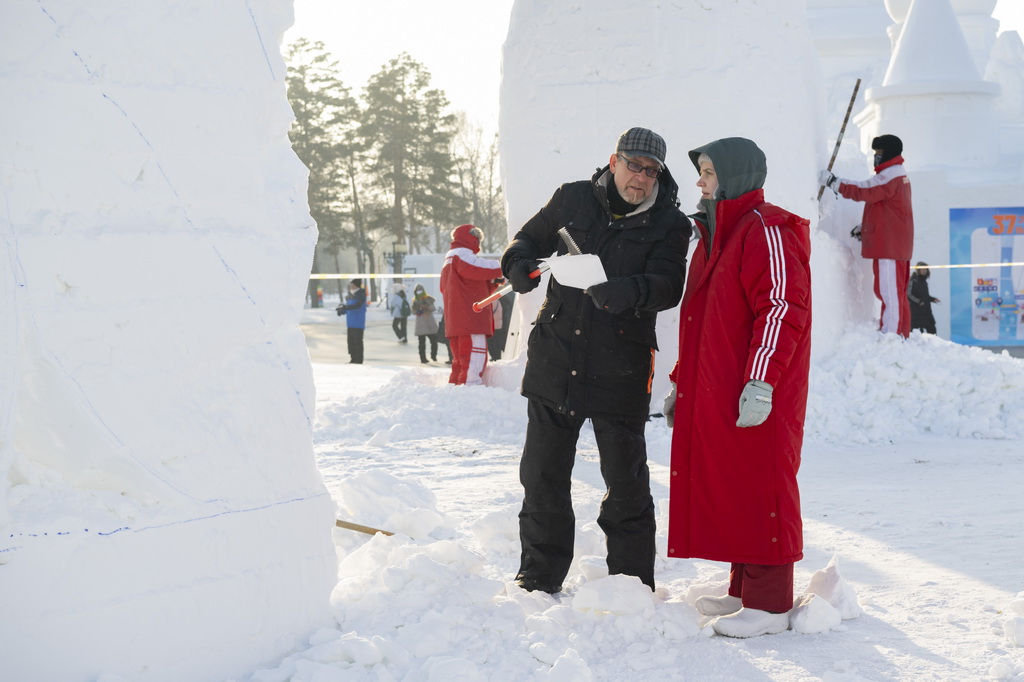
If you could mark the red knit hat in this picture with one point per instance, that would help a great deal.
(467, 236)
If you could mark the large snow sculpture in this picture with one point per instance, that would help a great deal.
(574, 77)
(163, 517)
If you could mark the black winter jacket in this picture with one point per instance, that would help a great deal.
(581, 360)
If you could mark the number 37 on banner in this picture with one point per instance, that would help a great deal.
(1007, 224)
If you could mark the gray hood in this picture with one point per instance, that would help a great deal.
(740, 165)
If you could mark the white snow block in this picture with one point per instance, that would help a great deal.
(1013, 629)
(831, 586)
(619, 594)
(1001, 670)
(812, 614)
(206, 599)
(161, 513)
(570, 668)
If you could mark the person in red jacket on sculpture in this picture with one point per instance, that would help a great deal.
(466, 278)
(741, 375)
(887, 229)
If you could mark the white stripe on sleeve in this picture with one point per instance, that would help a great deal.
(777, 296)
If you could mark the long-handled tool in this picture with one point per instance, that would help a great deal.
(506, 288)
(362, 529)
(544, 267)
(842, 131)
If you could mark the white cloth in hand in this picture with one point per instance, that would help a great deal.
(755, 403)
(668, 408)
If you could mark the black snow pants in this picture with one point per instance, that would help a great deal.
(547, 523)
(355, 345)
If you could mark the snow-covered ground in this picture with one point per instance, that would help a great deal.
(913, 479)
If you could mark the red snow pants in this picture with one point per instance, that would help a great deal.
(469, 358)
(891, 280)
(767, 588)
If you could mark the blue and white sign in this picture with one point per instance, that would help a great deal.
(987, 299)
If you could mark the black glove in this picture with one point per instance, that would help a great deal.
(519, 275)
(615, 295)
(855, 232)
(340, 309)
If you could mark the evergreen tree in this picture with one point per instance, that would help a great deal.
(322, 105)
(393, 169)
(408, 138)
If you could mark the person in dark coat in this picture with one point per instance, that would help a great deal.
(354, 309)
(502, 317)
(590, 355)
(921, 300)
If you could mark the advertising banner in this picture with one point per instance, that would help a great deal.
(987, 292)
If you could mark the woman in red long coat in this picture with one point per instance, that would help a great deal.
(740, 392)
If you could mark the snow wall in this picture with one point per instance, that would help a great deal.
(576, 75)
(162, 517)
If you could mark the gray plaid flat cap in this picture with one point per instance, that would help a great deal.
(642, 142)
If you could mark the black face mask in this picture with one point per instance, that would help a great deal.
(878, 159)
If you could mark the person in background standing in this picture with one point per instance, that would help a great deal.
(426, 324)
(400, 311)
(887, 229)
(921, 300)
(496, 342)
(443, 338)
(739, 392)
(590, 355)
(467, 277)
(354, 308)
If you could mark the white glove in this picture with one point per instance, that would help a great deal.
(669, 406)
(827, 179)
(755, 403)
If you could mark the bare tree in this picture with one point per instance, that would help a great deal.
(479, 184)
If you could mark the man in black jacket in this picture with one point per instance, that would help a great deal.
(591, 355)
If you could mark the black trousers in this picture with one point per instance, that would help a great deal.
(398, 326)
(423, 346)
(355, 344)
(547, 523)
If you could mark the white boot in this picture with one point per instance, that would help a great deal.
(718, 606)
(751, 623)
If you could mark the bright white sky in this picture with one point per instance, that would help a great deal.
(459, 41)
(1010, 14)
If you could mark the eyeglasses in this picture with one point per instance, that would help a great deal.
(635, 167)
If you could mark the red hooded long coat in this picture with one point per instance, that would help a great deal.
(745, 315)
